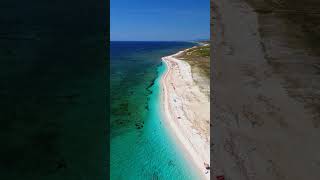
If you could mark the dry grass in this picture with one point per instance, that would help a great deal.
(199, 59)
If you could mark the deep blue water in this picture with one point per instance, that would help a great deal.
(141, 146)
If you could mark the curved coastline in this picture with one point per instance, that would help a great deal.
(193, 145)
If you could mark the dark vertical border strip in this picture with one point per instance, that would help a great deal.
(54, 85)
(108, 89)
(212, 53)
(215, 130)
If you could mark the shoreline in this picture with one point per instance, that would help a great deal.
(176, 112)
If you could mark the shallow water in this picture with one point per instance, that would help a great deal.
(141, 147)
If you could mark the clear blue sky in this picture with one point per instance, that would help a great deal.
(159, 20)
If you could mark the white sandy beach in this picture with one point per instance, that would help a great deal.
(187, 111)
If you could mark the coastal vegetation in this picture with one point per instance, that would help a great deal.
(199, 59)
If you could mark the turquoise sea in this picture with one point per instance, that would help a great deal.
(141, 146)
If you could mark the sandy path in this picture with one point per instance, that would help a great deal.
(187, 111)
